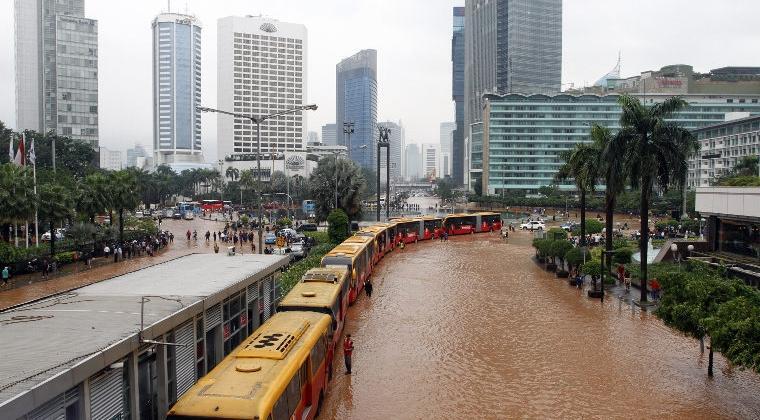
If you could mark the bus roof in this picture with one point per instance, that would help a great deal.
(312, 295)
(488, 213)
(358, 239)
(327, 274)
(346, 249)
(248, 382)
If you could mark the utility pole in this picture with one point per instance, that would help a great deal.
(382, 141)
(348, 129)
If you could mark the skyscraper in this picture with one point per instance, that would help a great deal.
(56, 69)
(261, 70)
(328, 135)
(413, 162)
(396, 139)
(510, 47)
(457, 94)
(431, 161)
(446, 141)
(176, 89)
(356, 102)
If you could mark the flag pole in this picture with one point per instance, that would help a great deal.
(36, 221)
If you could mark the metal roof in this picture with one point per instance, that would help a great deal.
(63, 339)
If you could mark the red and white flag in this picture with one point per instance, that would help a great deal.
(20, 158)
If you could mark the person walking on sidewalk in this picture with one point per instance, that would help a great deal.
(6, 275)
(348, 349)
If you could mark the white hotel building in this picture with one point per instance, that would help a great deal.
(261, 70)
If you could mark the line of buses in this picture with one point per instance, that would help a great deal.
(281, 371)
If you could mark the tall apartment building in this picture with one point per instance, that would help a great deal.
(518, 144)
(56, 68)
(457, 94)
(176, 89)
(113, 160)
(431, 161)
(447, 130)
(356, 102)
(261, 70)
(412, 162)
(721, 147)
(396, 140)
(328, 135)
(510, 47)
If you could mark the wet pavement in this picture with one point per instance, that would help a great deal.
(76, 275)
(474, 328)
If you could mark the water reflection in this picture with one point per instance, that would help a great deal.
(473, 328)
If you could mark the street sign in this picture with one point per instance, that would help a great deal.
(280, 241)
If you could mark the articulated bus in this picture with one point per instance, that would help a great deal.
(212, 205)
(322, 290)
(409, 230)
(461, 224)
(371, 249)
(383, 236)
(278, 373)
(356, 258)
(431, 227)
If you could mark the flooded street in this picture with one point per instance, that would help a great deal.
(474, 328)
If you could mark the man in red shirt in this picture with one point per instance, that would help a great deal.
(348, 348)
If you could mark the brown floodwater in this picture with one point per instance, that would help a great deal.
(474, 328)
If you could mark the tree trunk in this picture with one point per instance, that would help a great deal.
(583, 218)
(121, 226)
(52, 239)
(644, 241)
(710, 362)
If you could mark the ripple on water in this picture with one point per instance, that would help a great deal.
(473, 328)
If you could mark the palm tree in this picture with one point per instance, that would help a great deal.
(656, 153)
(351, 186)
(232, 173)
(124, 195)
(16, 194)
(56, 204)
(613, 172)
(583, 166)
(91, 196)
(247, 180)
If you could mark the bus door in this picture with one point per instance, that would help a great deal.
(306, 386)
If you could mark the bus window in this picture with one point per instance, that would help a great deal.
(317, 355)
(294, 393)
(280, 411)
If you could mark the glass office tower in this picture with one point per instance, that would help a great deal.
(356, 102)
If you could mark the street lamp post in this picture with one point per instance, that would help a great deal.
(348, 129)
(258, 121)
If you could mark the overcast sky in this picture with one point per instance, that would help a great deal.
(413, 41)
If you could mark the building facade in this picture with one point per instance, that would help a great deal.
(329, 134)
(115, 365)
(517, 146)
(431, 161)
(356, 102)
(722, 146)
(510, 47)
(56, 52)
(457, 95)
(396, 140)
(176, 89)
(261, 70)
(135, 154)
(413, 162)
(113, 160)
(447, 130)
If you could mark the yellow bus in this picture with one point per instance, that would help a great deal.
(323, 290)
(371, 248)
(356, 258)
(277, 373)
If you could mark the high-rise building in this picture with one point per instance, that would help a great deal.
(56, 69)
(396, 139)
(509, 156)
(431, 161)
(328, 135)
(135, 154)
(312, 138)
(413, 162)
(510, 47)
(356, 102)
(447, 142)
(112, 160)
(457, 94)
(261, 71)
(176, 89)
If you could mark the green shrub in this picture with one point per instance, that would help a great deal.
(622, 243)
(284, 221)
(337, 228)
(543, 246)
(592, 226)
(66, 257)
(622, 256)
(556, 234)
(320, 236)
(558, 249)
(574, 257)
(293, 275)
(592, 268)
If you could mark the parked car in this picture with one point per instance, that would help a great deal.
(569, 226)
(299, 250)
(270, 239)
(59, 234)
(189, 215)
(307, 227)
(533, 225)
(177, 216)
(287, 232)
(139, 214)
